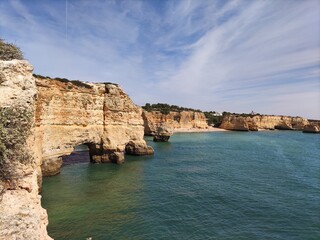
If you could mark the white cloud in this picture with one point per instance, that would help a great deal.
(219, 55)
(260, 46)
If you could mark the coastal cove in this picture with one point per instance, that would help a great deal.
(56, 115)
(215, 185)
(159, 120)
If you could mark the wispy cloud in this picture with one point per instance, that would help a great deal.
(221, 55)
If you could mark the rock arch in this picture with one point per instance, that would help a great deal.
(100, 115)
(56, 116)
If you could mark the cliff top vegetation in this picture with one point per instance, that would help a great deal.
(64, 80)
(212, 118)
(9, 51)
(75, 82)
(166, 108)
(15, 124)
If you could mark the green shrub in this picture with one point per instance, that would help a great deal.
(212, 119)
(64, 80)
(166, 108)
(15, 125)
(165, 111)
(9, 51)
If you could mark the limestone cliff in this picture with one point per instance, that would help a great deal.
(174, 120)
(101, 116)
(22, 216)
(313, 127)
(42, 120)
(257, 122)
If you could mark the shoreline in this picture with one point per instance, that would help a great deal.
(198, 130)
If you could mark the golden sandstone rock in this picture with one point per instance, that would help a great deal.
(173, 121)
(260, 122)
(61, 115)
(100, 116)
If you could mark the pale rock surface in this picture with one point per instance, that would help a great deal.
(164, 131)
(261, 122)
(173, 121)
(101, 116)
(21, 214)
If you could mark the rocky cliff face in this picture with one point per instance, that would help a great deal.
(255, 123)
(173, 120)
(101, 116)
(22, 216)
(43, 120)
(313, 127)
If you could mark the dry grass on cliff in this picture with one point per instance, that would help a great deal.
(15, 125)
(165, 108)
(9, 51)
(77, 83)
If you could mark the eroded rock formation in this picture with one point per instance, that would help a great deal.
(49, 118)
(257, 122)
(163, 133)
(173, 120)
(101, 116)
(312, 128)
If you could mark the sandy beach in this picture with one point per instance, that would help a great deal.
(209, 129)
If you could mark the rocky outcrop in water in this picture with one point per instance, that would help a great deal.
(260, 122)
(173, 120)
(42, 120)
(312, 128)
(163, 133)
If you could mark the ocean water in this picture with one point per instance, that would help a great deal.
(221, 185)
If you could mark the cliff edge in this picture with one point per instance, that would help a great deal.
(262, 122)
(22, 216)
(173, 120)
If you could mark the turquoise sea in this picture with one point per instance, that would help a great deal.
(221, 185)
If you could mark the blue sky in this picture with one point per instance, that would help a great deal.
(235, 56)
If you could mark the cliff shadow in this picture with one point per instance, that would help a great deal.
(79, 155)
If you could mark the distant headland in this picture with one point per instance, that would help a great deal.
(188, 119)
